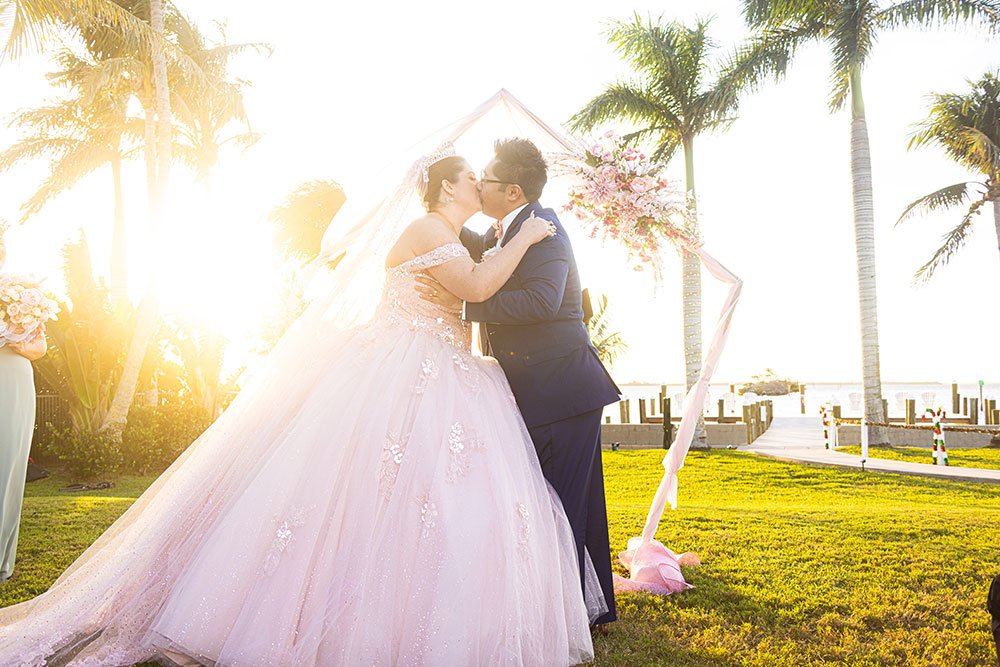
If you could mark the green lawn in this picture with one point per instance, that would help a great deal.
(802, 565)
(965, 457)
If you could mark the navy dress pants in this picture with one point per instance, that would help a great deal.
(570, 454)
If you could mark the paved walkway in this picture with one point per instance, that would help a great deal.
(800, 440)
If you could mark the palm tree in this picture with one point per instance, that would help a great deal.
(117, 415)
(967, 127)
(609, 343)
(674, 100)
(305, 214)
(79, 135)
(850, 28)
(207, 104)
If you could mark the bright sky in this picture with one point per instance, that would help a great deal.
(351, 84)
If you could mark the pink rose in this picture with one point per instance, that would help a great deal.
(641, 184)
(31, 297)
(607, 173)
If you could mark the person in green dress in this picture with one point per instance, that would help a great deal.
(17, 421)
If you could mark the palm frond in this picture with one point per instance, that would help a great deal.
(762, 58)
(851, 39)
(244, 140)
(945, 198)
(769, 13)
(623, 101)
(33, 148)
(35, 18)
(65, 173)
(302, 218)
(952, 242)
(609, 343)
(937, 13)
(651, 48)
(966, 126)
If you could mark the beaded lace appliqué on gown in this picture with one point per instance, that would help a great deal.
(401, 303)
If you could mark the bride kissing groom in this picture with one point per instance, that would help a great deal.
(376, 494)
(533, 326)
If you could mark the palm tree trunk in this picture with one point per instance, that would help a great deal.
(119, 248)
(864, 241)
(149, 149)
(114, 424)
(691, 299)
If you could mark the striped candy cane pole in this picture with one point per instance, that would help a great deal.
(825, 414)
(940, 453)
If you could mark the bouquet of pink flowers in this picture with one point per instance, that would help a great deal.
(24, 308)
(619, 194)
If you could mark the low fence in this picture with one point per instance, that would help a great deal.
(657, 424)
(50, 409)
(847, 431)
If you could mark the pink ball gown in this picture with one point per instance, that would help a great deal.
(387, 508)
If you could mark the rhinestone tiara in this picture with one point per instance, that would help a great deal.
(443, 151)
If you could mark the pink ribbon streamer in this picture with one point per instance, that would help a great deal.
(653, 567)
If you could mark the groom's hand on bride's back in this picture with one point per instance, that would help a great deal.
(431, 290)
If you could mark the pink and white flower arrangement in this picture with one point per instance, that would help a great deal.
(620, 196)
(24, 308)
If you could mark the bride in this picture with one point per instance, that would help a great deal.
(372, 497)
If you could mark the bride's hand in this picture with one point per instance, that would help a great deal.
(537, 229)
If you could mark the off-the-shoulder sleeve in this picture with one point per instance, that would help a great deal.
(438, 256)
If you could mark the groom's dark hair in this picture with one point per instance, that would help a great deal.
(520, 162)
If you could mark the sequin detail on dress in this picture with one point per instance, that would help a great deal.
(392, 457)
(428, 515)
(401, 304)
(460, 446)
(282, 538)
(428, 372)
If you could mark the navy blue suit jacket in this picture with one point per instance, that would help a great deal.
(534, 325)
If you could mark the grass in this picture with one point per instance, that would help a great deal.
(964, 457)
(802, 565)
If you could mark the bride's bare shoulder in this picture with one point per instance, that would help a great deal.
(420, 236)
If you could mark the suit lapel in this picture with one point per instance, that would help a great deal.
(518, 219)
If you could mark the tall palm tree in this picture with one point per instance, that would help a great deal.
(79, 135)
(205, 106)
(674, 99)
(850, 28)
(967, 127)
(117, 415)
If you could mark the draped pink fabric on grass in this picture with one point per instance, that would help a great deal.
(653, 567)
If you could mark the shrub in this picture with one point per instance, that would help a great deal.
(85, 454)
(155, 436)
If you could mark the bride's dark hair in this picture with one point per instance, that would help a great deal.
(447, 169)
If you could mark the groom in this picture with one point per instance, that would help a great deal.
(534, 328)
